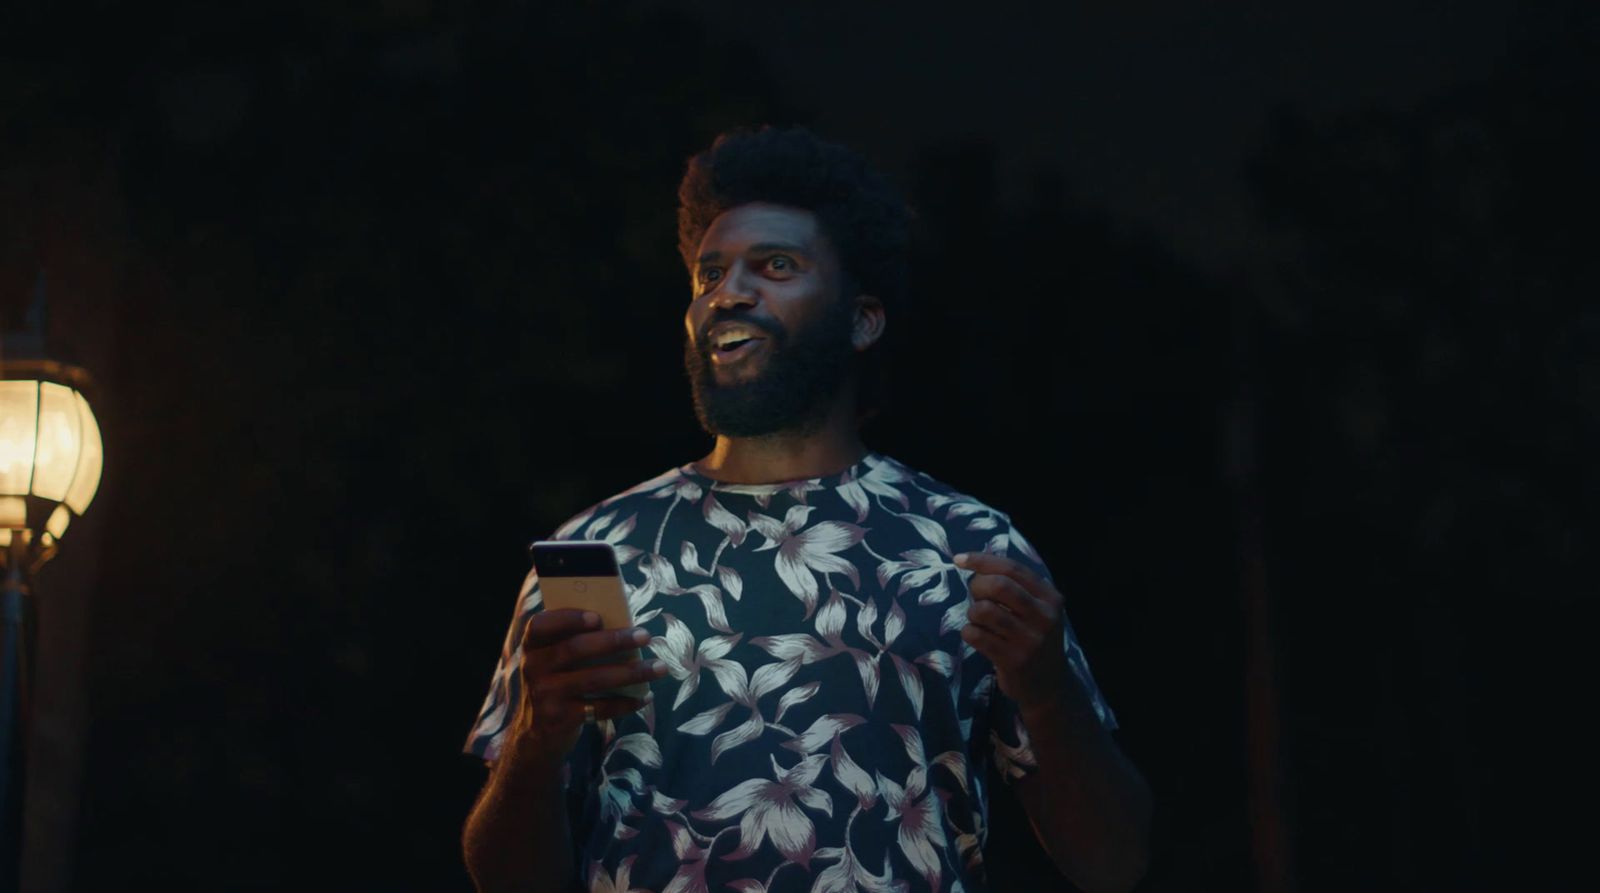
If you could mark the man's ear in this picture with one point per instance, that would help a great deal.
(869, 322)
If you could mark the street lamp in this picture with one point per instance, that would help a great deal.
(50, 461)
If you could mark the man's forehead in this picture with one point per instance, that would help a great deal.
(737, 229)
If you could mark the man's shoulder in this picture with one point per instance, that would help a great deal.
(642, 496)
(969, 523)
(930, 495)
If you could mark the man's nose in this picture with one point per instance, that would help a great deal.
(735, 290)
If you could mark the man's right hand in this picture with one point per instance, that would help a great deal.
(555, 687)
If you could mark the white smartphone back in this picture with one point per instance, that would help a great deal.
(583, 574)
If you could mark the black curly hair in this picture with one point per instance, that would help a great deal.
(861, 213)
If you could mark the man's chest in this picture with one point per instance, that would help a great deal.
(865, 618)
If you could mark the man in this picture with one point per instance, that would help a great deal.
(837, 647)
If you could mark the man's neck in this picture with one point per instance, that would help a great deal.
(787, 456)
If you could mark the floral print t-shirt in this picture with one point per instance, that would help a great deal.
(823, 727)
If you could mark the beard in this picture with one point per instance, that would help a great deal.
(805, 373)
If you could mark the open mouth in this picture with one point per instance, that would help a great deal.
(732, 346)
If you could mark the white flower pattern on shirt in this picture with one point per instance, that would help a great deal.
(811, 633)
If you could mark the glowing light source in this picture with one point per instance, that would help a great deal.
(50, 461)
(50, 458)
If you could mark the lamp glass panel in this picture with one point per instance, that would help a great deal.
(55, 455)
(90, 458)
(59, 519)
(19, 422)
(13, 512)
(5, 536)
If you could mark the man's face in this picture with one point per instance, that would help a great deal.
(768, 334)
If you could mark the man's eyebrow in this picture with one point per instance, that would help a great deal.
(778, 246)
(759, 247)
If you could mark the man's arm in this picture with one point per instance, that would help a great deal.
(1088, 805)
(517, 837)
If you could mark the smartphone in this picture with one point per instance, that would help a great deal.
(584, 575)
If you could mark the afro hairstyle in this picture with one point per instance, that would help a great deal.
(862, 214)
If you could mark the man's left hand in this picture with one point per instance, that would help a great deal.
(1016, 620)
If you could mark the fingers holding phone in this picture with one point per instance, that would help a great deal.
(583, 649)
(568, 663)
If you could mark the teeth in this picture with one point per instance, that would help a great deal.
(724, 339)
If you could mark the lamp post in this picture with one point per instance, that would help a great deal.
(50, 462)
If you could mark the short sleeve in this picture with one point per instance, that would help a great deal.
(483, 741)
(1008, 737)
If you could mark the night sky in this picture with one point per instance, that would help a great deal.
(1272, 327)
(1150, 110)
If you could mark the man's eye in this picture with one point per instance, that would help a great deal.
(710, 274)
(781, 264)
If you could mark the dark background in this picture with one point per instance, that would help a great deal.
(1274, 329)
